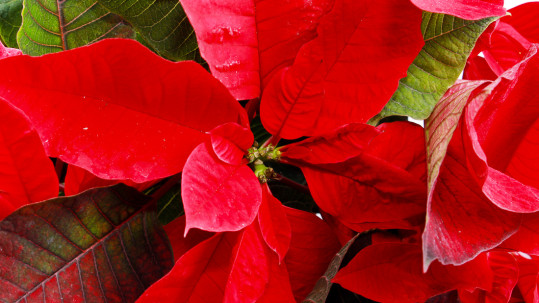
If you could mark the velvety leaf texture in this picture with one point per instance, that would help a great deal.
(27, 173)
(448, 43)
(116, 109)
(10, 21)
(50, 26)
(246, 41)
(162, 24)
(102, 246)
(348, 72)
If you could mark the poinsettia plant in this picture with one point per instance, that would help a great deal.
(260, 151)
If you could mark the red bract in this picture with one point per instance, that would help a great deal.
(27, 174)
(274, 223)
(391, 272)
(466, 9)
(489, 170)
(348, 73)
(246, 41)
(384, 182)
(218, 196)
(116, 109)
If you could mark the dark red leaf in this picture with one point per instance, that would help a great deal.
(392, 272)
(104, 245)
(116, 109)
(218, 196)
(278, 288)
(27, 173)
(246, 41)
(528, 280)
(274, 223)
(466, 9)
(527, 236)
(383, 184)
(348, 73)
(312, 247)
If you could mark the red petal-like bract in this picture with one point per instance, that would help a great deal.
(230, 142)
(8, 52)
(312, 247)
(505, 270)
(384, 183)
(274, 224)
(348, 73)
(391, 272)
(488, 177)
(78, 180)
(465, 9)
(246, 41)
(218, 196)
(27, 174)
(117, 109)
(528, 280)
(180, 245)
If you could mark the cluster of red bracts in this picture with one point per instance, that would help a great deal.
(448, 207)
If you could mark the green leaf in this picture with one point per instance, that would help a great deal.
(162, 24)
(448, 44)
(10, 21)
(260, 133)
(104, 245)
(50, 26)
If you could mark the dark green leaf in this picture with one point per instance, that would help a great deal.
(50, 26)
(170, 206)
(162, 24)
(104, 245)
(260, 133)
(10, 21)
(448, 43)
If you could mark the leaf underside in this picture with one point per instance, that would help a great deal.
(10, 21)
(448, 43)
(104, 245)
(162, 24)
(50, 26)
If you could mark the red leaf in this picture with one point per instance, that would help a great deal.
(337, 146)
(218, 196)
(384, 183)
(228, 267)
(465, 9)
(527, 236)
(230, 142)
(78, 180)
(274, 224)
(180, 245)
(103, 245)
(392, 272)
(278, 288)
(477, 68)
(246, 41)
(348, 73)
(312, 247)
(528, 280)
(116, 109)
(27, 173)
(505, 269)
(524, 19)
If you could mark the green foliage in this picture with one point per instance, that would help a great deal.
(10, 21)
(448, 43)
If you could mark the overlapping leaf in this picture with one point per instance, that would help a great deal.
(391, 272)
(162, 24)
(348, 72)
(103, 245)
(246, 41)
(10, 21)
(27, 173)
(448, 43)
(116, 109)
(466, 9)
(274, 224)
(50, 26)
